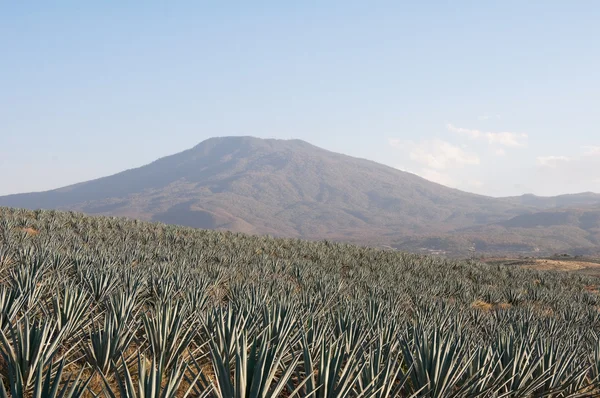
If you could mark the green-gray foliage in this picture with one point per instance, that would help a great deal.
(152, 310)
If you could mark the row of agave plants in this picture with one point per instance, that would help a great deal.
(108, 307)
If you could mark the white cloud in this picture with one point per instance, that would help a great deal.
(569, 174)
(551, 161)
(431, 175)
(500, 152)
(437, 154)
(504, 138)
(591, 150)
(395, 142)
(507, 139)
(436, 160)
(468, 132)
(487, 116)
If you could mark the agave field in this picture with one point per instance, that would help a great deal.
(108, 307)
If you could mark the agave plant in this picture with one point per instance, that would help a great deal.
(107, 342)
(162, 311)
(564, 367)
(26, 278)
(153, 381)
(11, 302)
(100, 282)
(262, 369)
(69, 307)
(519, 365)
(51, 385)
(26, 349)
(169, 333)
(385, 373)
(438, 361)
(330, 370)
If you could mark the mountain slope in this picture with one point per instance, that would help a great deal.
(279, 187)
(549, 202)
(571, 230)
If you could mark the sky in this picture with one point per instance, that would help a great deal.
(494, 97)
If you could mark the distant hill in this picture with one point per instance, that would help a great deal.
(548, 202)
(286, 188)
(575, 231)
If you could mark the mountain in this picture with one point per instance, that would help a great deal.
(292, 188)
(548, 202)
(279, 187)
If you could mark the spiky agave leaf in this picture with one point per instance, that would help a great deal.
(518, 363)
(11, 302)
(331, 370)
(169, 332)
(69, 307)
(262, 368)
(107, 342)
(566, 372)
(49, 385)
(26, 348)
(153, 380)
(438, 361)
(384, 374)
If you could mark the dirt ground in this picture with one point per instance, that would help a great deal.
(560, 265)
(583, 266)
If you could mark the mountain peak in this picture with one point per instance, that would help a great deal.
(244, 144)
(244, 140)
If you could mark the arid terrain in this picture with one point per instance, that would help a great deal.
(581, 265)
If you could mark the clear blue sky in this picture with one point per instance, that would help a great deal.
(495, 97)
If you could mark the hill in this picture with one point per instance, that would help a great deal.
(290, 188)
(575, 231)
(280, 187)
(549, 202)
(105, 306)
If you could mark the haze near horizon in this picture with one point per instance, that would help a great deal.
(498, 99)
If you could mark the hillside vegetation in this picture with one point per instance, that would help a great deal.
(108, 307)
